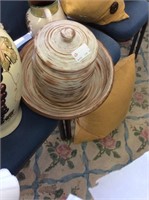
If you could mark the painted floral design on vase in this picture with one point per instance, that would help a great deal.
(11, 85)
(42, 12)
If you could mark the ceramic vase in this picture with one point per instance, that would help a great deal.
(11, 84)
(41, 13)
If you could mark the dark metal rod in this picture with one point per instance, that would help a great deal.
(133, 43)
(140, 39)
(68, 129)
(62, 130)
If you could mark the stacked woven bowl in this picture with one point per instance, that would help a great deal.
(58, 75)
(65, 75)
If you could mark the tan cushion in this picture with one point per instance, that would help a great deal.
(110, 114)
(95, 11)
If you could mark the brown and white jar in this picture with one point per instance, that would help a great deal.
(63, 61)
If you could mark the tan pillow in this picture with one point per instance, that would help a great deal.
(95, 11)
(110, 114)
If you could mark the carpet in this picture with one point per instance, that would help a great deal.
(59, 167)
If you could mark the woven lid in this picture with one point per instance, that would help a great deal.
(66, 45)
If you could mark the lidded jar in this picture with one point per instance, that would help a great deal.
(63, 61)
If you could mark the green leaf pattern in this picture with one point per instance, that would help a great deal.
(108, 146)
(142, 133)
(60, 153)
(139, 98)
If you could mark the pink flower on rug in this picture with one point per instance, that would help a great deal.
(145, 133)
(63, 150)
(139, 97)
(108, 142)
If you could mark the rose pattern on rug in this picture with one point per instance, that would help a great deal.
(139, 98)
(143, 136)
(53, 192)
(108, 145)
(60, 153)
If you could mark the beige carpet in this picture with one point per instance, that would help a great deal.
(59, 168)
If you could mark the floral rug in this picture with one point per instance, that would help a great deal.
(59, 167)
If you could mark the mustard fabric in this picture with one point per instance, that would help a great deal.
(110, 114)
(95, 11)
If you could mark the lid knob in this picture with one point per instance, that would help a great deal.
(67, 34)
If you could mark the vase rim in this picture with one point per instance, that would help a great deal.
(38, 11)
